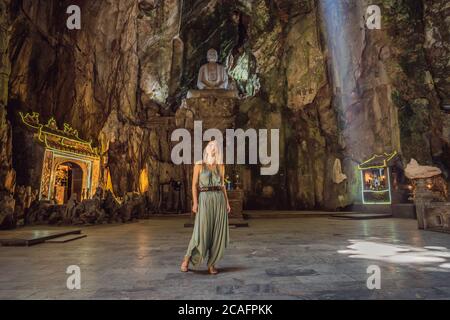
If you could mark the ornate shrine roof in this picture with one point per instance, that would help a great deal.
(53, 138)
(378, 161)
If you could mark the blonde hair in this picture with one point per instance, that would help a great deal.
(210, 159)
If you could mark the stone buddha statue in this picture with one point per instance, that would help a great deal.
(212, 80)
(212, 75)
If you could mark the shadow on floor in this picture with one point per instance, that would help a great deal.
(221, 270)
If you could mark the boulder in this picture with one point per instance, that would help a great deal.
(111, 207)
(7, 216)
(415, 171)
(40, 212)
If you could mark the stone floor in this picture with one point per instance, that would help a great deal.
(306, 258)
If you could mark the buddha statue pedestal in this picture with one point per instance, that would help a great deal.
(214, 112)
(217, 93)
(236, 199)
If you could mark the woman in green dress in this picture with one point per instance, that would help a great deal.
(210, 204)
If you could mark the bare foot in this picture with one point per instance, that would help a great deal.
(185, 265)
(212, 270)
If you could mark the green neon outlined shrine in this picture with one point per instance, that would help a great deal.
(376, 179)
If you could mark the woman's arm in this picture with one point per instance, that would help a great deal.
(222, 175)
(195, 188)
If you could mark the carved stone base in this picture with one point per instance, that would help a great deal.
(216, 93)
(432, 214)
(214, 112)
(437, 216)
(236, 199)
(422, 197)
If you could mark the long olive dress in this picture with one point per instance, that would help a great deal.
(211, 233)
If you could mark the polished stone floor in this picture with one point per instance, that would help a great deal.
(302, 258)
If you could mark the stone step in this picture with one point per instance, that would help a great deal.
(26, 238)
(372, 208)
(274, 214)
(437, 229)
(398, 210)
(362, 216)
(68, 238)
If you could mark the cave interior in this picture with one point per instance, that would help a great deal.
(96, 106)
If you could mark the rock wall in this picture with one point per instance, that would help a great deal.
(414, 93)
(437, 46)
(385, 93)
(160, 52)
(6, 171)
(437, 50)
(78, 77)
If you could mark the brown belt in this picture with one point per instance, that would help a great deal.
(210, 189)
